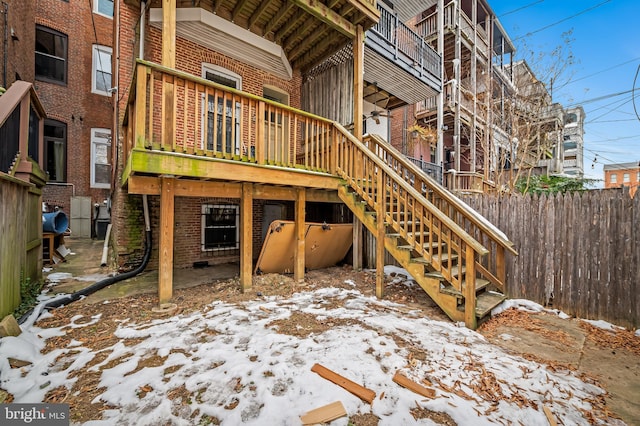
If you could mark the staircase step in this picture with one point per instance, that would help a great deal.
(454, 271)
(444, 257)
(425, 245)
(481, 284)
(486, 301)
(396, 235)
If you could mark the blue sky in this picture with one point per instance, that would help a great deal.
(606, 42)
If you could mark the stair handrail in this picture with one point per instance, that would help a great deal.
(461, 233)
(459, 206)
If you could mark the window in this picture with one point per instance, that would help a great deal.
(103, 7)
(100, 167)
(626, 178)
(614, 178)
(230, 144)
(276, 129)
(51, 55)
(220, 227)
(101, 71)
(55, 150)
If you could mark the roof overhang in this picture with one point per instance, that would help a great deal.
(211, 31)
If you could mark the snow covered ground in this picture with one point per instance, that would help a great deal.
(232, 363)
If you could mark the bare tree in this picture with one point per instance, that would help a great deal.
(527, 124)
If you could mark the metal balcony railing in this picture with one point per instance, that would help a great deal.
(404, 39)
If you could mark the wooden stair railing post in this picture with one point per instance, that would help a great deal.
(380, 234)
(501, 267)
(470, 289)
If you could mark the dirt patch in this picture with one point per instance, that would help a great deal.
(366, 419)
(302, 325)
(435, 416)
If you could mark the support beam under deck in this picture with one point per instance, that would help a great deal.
(298, 269)
(165, 268)
(246, 239)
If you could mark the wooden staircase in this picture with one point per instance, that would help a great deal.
(455, 255)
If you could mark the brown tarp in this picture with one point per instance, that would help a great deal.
(326, 245)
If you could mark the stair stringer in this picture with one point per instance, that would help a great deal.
(448, 303)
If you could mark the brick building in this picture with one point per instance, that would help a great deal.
(622, 174)
(65, 49)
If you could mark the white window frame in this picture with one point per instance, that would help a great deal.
(225, 73)
(96, 63)
(205, 208)
(96, 140)
(626, 177)
(613, 178)
(96, 9)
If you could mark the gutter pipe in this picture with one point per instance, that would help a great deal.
(107, 281)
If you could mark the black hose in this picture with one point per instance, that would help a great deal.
(98, 285)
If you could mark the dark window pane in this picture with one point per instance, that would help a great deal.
(51, 55)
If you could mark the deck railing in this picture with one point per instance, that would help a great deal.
(169, 110)
(492, 267)
(434, 171)
(404, 39)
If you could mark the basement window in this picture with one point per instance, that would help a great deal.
(220, 227)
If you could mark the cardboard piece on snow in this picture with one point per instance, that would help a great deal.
(324, 414)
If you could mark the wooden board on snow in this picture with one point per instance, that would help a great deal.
(360, 391)
(324, 414)
(405, 382)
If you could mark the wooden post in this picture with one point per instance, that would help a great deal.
(501, 268)
(470, 289)
(246, 238)
(298, 269)
(139, 129)
(165, 272)
(358, 110)
(380, 234)
(169, 60)
(358, 82)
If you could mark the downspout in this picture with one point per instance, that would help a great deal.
(115, 136)
(143, 11)
(102, 283)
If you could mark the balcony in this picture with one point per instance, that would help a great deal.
(428, 27)
(181, 125)
(392, 43)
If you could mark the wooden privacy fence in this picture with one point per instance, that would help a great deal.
(578, 252)
(21, 231)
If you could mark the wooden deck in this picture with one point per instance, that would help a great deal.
(270, 150)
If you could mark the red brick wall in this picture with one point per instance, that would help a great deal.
(127, 216)
(73, 103)
(20, 50)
